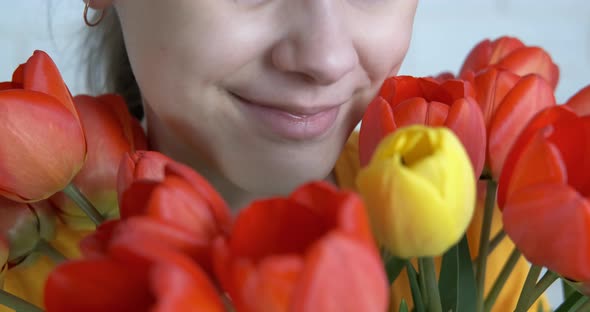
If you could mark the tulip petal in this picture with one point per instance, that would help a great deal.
(141, 165)
(377, 123)
(491, 86)
(134, 201)
(487, 53)
(400, 88)
(174, 202)
(538, 153)
(532, 60)
(96, 244)
(345, 208)
(550, 224)
(293, 229)
(529, 96)
(96, 285)
(41, 74)
(572, 139)
(580, 102)
(411, 111)
(200, 185)
(41, 139)
(324, 286)
(143, 233)
(180, 285)
(545, 118)
(466, 121)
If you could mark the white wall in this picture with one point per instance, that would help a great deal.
(445, 31)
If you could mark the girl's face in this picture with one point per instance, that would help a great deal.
(263, 92)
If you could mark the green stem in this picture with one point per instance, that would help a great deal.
(494, 242)
(527, 288)
(501, 280)
(13, 302)
(484, 241)
(75, 195)
(434, 304)
(422, 277)
(47, 249)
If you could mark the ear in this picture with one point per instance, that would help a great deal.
(99, 4)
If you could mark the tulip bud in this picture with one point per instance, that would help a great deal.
(23, 225)
(111, 132)
(42, 145)
(420, 191)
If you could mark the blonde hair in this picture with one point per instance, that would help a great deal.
(108, 64)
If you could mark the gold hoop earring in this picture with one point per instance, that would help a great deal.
(86, 20)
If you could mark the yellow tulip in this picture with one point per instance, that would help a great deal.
(419, 189)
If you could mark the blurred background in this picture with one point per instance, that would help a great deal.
(445, 31)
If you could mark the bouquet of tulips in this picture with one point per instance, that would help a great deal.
(466, 183)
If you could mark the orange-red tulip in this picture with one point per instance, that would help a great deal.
(508, 102)
(511, 54)
(23, 225)
(141, 165)
(545, 193)
(110, 132)
(580, 102)
(312, 251)
(135, 277)
(406, 100)
(42, 144)
(182, 197)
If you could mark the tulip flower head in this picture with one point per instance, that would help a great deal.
(134, 277)
(420, 191)
(111, 132)
(544, 194)
(406, 100)
(508, 103)
(42, 143)
(513, 55)
(312, 251)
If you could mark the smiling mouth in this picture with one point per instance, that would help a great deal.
(291, 123)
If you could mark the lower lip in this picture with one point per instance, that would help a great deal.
(290, 126)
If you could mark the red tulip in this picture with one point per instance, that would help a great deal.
(511, 54)
(182, 197)
(136, 277)
(23, 225)
(508, 102)
(111, 132)
(406, 100)
(312, 251)
(141, 165)
(42, 144)
(580, 102)
(545, 192)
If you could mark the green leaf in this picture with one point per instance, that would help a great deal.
(403, 306)
(415, 288)
(568, 289)
(572, 303)
(456, 284)
(393, 267)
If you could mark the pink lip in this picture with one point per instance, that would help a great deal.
(294, 124)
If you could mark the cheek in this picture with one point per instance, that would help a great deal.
(384, 42)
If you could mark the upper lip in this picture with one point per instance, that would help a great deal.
(292, 107)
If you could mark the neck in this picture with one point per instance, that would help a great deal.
(164, 140)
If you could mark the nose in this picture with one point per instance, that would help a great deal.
(318, 45)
